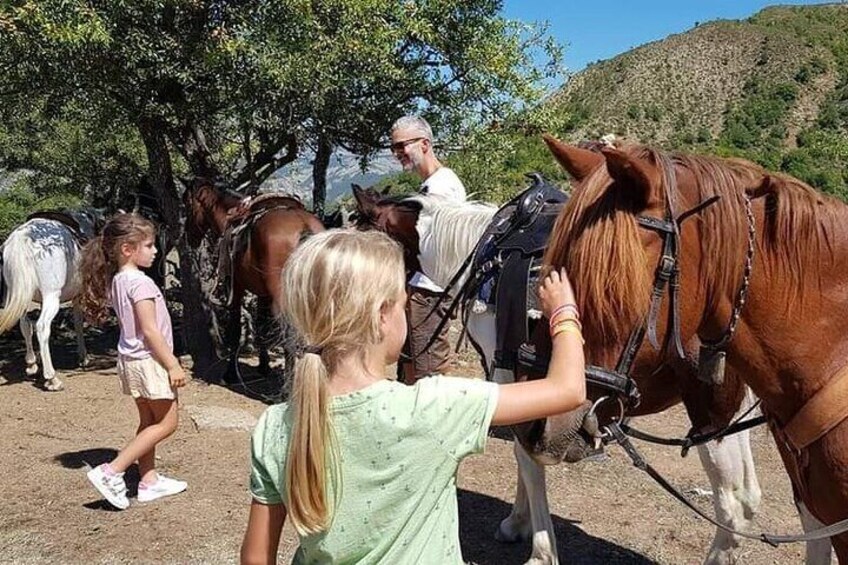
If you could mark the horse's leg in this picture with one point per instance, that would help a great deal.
(31, 359)
(233, 335)
(818, 552)
(544, 540)
(82, 353)
(736, 490)
(530, 516)
(263, 331)
(49, 309)
(517, 525)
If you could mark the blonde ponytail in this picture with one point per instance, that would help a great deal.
(310, 448)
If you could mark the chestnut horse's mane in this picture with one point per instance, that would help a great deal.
(597, 239)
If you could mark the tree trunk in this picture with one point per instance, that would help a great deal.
(319, 176)
(196, 320)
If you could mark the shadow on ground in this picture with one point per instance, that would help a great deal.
(100, 344)
(480, 515)
(102, 356)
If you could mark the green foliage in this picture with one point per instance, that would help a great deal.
(237, 88)
(19, 200)
(493, 161)
(821, 160)
(756, 122)
(73, 150)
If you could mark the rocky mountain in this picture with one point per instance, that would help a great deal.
(345, 168)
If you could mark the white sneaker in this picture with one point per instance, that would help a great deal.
(164, 486)
(112, 488)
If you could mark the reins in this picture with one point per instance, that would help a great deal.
(621, 438)
(740, 424)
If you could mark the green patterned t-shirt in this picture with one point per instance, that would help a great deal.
(400, 447)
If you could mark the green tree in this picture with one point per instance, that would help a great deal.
(235, 90)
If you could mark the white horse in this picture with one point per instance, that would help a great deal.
(447, 233)
(41, 265)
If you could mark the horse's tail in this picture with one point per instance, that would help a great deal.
(18, 268)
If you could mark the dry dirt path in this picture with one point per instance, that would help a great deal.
(605, 512)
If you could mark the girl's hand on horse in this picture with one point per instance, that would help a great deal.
(555, 291)
(177, 376)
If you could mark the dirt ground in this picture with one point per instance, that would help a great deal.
(604, 512)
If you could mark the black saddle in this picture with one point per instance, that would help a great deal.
(506, 266)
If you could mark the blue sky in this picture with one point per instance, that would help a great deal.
(599, 29)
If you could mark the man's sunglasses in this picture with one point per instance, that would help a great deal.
(399, 145)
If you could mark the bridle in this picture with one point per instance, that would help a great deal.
(618, 382)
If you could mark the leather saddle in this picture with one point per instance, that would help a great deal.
(507, 263)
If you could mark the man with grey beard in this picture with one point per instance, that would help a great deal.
(412, 145)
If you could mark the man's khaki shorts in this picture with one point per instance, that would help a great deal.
(437, 360)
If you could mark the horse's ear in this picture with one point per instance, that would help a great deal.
(576, 161)
(632, 171)
(363, 200)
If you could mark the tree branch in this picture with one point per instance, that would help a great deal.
(264, 164)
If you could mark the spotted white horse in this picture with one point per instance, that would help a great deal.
(447, 233)
(41, 267)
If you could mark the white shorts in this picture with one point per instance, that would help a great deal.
(145, 378)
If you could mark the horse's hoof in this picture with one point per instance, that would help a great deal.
(84, 362)
(54, 385)
(32, 369)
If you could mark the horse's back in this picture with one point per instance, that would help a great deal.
(53, 254)
(272, 240)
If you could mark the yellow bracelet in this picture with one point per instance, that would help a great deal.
(568, 329)
(561, 319)
(568, 322)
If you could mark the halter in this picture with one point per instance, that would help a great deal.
(667, 273)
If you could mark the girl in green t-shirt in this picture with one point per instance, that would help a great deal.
(365, 467)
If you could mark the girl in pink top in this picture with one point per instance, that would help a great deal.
(147, 367)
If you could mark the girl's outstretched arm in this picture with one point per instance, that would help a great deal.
(145, 313)
(262, 538)
(564, 387)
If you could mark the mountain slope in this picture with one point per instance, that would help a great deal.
(772, 88)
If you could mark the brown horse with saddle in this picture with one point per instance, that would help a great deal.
(750, 264)
(255, 239)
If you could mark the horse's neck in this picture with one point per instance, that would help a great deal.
(795, 317)
(445, 243)
(218, 213)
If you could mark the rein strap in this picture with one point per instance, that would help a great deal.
(772, 539)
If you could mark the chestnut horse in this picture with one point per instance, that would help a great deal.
(256, 267)
(790, 343)
(437, 236)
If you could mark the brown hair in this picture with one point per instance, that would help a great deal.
(99, 262)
